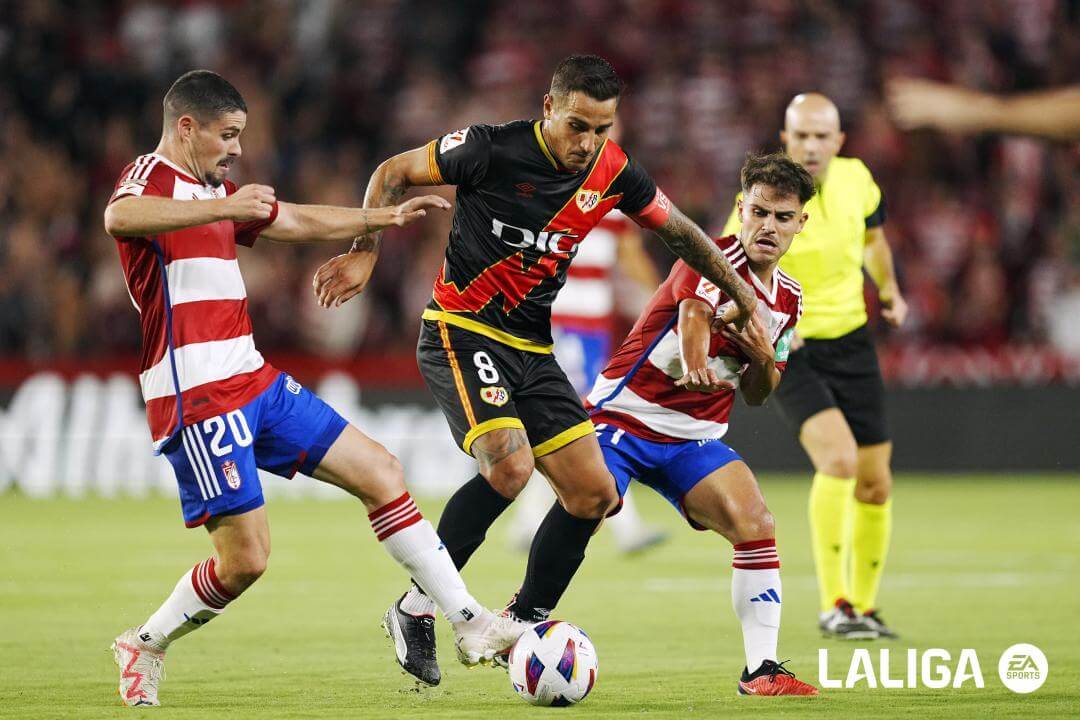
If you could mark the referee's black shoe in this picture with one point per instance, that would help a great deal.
(844, 623)
(414, 643)
(873, 619)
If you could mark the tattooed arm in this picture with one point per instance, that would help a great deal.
(697, 249)
(345, 276)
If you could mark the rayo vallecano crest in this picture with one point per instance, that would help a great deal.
(587, 200)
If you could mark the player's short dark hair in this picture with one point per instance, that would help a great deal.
(204, 95)
(590, 74)
(778, 171)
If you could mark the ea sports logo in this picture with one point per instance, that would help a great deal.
(1023, 668)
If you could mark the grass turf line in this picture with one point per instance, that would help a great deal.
(980, 562)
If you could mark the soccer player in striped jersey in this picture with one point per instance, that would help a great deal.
(661, 406)
(833, 393)
(216, 409)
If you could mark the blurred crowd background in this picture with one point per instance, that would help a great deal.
(986, 231)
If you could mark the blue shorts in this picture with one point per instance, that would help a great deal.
(582, 354)
(285, 430)
(671, 469)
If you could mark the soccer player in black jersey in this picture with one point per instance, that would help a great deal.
(527, 193)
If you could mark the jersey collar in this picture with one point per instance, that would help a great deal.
(555, 164)
(770, 295)
(187, 176)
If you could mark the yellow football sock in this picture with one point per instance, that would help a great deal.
(830, 533)
(871, 530)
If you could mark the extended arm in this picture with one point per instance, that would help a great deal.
(153, 215)
(345, 276)
(327, 223)
(877, 257)
(690, 242)
(1053, 114)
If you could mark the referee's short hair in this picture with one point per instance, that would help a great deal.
(590, 74)
(779, 171)
(204, 95)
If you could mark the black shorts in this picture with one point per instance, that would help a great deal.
(483, 385)
(840, 373)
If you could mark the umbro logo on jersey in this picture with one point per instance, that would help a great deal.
(525, 189)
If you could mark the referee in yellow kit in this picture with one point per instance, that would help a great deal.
(832, 390)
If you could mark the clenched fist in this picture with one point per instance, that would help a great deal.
(251, 202)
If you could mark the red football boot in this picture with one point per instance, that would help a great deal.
(772, 678)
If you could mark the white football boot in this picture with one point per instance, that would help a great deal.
(142, 668)
(479, 641)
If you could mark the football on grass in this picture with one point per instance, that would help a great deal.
(553, 663)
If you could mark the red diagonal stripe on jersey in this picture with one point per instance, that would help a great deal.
(509, 276)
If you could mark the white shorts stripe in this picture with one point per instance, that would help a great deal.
(195, 467)
(209, 465)
(199, 450)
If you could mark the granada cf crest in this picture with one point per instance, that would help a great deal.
(587, 200)
(231, 473)
(495, 395)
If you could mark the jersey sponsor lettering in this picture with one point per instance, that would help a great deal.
(519, 221)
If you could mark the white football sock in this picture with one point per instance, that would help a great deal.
(416, 603)
(197, 599)
(411, 540)
(755, 595)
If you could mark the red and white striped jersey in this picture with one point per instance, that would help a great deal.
(198, 357)
(587, 300)
(637, 390)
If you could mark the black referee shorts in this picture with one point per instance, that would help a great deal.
(483, 385)
(841, 373)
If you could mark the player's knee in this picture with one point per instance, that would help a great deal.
(873, 489)
(594, 501)
(840, 463)
(758, 525)
(509, 475)
(240, 570)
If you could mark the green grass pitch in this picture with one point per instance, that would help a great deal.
(979, 562)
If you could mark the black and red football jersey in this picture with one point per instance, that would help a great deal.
(518, 221)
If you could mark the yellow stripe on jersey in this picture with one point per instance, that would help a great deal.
(543, 145)
(827, 256)
(433, 165)
(480, 328)
(459, 383)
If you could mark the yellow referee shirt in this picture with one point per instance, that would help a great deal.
(827, 256)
